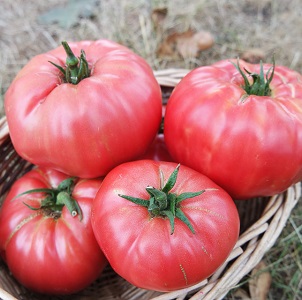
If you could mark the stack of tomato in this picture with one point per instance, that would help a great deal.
(106, 187)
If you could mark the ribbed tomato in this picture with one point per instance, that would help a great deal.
(46, 237)
(163, 227)
(239, 125)
(84, 115)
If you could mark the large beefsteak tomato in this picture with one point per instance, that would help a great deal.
(240, 125)
(104, 108)
(163, 231)
(50, 247)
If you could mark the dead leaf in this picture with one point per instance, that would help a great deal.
(190, 46)
(166, 49)
(253, 56)
(168, 46)
(187, 44)
(260, 282)
(159, 15)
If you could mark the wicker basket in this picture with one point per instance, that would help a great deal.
(262, 221)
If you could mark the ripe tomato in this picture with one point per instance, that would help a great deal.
(158, 150)
(50, 250)
(84, 128)
(246, 139)
(177, 234)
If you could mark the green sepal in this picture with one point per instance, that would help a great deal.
(57, 208)
(172, 201)
(245, 79)
(153, 208)
(171, 218)
(31, 207)
(171, 181)
(261, 84)
(41, 190)
(160, 197)
(59, 67)
(83, 71)
(188, 195)
(76, 68)
(47, 203)
(56, 199)
(138, 201)
(181, 216)
(162, 203)
(66, 184)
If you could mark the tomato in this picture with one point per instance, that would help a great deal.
(51, 249)
(84, 128)
(240, 128)
(161, 230)
(157, 150)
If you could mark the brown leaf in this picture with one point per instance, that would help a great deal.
(187, 44)
(168, 46)
(260, 282)
(166, 49)
(159, 15)
(190, 45)
(253, 56)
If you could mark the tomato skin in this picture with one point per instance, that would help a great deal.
(84, 130)
(141, 249)
(249, 145)
(47, 255)
(158, 150)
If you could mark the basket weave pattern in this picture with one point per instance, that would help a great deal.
(262, 221)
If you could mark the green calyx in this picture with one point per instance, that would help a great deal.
(261, 84)
(56, 199)
(76, 68)
(162, 203)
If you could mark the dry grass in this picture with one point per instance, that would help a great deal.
(275, 26)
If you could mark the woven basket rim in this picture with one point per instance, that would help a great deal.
(250, 248)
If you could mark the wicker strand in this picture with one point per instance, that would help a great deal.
(170, 77)
(234, 254)
(5, 295)
(185, 291)
(3, 129)
(235, 271)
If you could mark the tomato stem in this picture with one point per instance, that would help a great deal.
(260, 85)
(76, 68)
(56, 199)
(163, 203)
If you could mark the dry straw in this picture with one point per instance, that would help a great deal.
(262, 221)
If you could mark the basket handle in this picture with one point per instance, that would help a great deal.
(3, 129)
